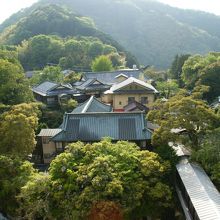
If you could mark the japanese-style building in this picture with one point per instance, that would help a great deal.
(52, 93)
(91, 122)
(121, 94)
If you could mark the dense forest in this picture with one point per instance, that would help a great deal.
(160, 31)
(36, 50)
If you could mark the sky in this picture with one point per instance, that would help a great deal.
(212, 6)
(8, 7)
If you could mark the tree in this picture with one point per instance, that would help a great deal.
(14, 174)
(102, 63)
(167, 88)
(89, 176)
(17, 130)
(14, 88)
(49, 73)
(182, 120)
(209, 155)
(176, 67)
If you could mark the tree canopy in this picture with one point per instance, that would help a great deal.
(102, 63)
(183, 120)
(87, 175)
(14, 87)
(17, 130)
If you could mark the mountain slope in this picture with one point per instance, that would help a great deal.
(152, 31)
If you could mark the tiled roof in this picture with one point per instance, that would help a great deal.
(51, 89)
(49, 132)
(135, 105)
(95, 126)
(44, 87)
(92, 105)
(110, 77)
(129, 81)
(203, 194)
(93, 84)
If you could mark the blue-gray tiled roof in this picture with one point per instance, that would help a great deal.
(110, 77)
(95, 126)
(92, 105)
(52, 89)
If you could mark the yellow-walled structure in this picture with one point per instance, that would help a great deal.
(131, 89)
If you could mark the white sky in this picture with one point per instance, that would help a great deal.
(8, 7)
(212, 6)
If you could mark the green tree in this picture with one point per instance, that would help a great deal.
(14, 174)
(102, 63)
(176, 67)
(86, 175)
(167, 88)
(209, 155)
(17, 130)
(14, 87)
(49, 73)
(182, 120)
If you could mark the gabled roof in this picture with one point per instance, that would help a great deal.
(95, 126)
(93, 84)
(92, 105)
(121, 75)
(203, 194)
(132, 106)
(44, 87)
(49, 88)
(129, 81)
(49, 132)
(109, 77)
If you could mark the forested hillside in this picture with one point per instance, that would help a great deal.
(69, 33)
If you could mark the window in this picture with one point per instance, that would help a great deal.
(45, 140)
(144, 100)
(120, 103)
(131, 99)
(59, 147)
(51, 100)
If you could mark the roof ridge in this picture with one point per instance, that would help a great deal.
(88, 104)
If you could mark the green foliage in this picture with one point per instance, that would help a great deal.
(68, 105)
(176, 67)
(167, 88)
(102, 63)
(14, 174)
(203, 70)
(55, 20)
(72, 77)
(69, 53)
(17, 130)
(14, 88)
(86, 175)
(49, 73)
(192, 117)
(209, 155)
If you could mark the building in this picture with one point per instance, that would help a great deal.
(92, 105)
(112, 77)
(199, 197)
(52, 93)
(91, 127)
(129, 90)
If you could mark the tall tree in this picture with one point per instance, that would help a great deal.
(176, 67)
(102, 63)
(17, 130)
(182, 120)
(14, 87)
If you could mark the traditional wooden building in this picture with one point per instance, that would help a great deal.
(91, 127)
(129, 90)
(52, 93)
